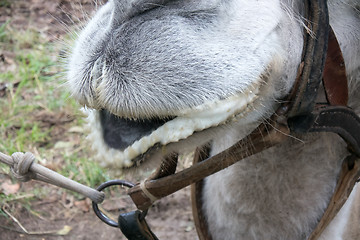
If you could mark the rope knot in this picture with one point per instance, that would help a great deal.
(21, 166)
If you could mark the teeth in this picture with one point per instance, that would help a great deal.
(188, 121)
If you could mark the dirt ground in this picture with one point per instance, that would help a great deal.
(51, 218)
(58, 215)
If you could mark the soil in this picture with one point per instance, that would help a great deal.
(43, 217)
(169, 218)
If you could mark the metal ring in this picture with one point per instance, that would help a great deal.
(96, 209)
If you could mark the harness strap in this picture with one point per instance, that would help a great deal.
(350, 172)
(196, 199)
(337, 119)
(304, 92)
(334, 77)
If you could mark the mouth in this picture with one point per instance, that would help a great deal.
(128, 142)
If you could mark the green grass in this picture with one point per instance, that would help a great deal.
(34, 87)
(5, 3)
(26, 81)
(3, 35)
(83, 170)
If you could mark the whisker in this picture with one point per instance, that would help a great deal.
(278, 130)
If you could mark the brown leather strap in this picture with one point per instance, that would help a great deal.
(196, 199)
(350, 172)
(334, 77)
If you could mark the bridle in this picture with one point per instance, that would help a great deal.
(322, 62)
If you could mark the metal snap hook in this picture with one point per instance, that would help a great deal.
(95, 206)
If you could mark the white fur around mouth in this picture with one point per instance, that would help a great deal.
(210, 114)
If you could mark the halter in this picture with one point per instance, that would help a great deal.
(300, 113)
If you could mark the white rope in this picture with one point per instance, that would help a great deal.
(24, 169)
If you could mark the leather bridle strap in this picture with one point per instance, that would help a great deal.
(334, 76)
(350, 172)
(303, 95)
(337, 119)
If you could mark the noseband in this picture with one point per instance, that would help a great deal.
(322, 64)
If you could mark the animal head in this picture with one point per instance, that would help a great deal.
(161, 76)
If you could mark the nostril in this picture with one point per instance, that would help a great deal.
(126, 9)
